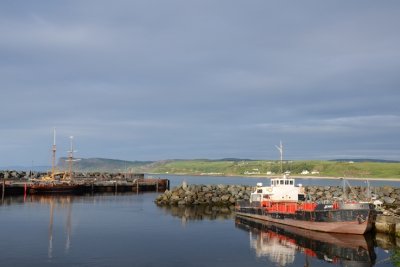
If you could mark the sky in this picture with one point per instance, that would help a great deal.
(190, 79)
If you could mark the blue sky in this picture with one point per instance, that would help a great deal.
(152, 80)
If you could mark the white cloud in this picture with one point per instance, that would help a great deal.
(209, 78)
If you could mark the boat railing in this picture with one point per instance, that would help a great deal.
(247, 203)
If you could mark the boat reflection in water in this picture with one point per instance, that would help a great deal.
(62, 204)
(281, 243)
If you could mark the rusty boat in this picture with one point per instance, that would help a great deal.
(285, 203)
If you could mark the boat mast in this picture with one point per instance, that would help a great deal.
(70, 157)
(53, 162)
(280, 148)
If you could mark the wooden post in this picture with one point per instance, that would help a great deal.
(116, 187)
(137, 186)
(3, 190)
(92, 187)
(158, 180)
(25, 190)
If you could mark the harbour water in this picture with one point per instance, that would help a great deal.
(176, 180)
(130, 230)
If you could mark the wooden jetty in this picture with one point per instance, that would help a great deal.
(85, 185)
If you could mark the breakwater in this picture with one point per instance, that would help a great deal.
(225, 195)
(215, 195)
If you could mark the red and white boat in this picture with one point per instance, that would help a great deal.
(285, 203)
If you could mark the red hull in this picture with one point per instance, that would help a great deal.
(53, 188)
(345, 227)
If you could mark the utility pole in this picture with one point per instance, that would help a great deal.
(280, 148)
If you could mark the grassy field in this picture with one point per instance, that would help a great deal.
(372, 169)
(258, 167)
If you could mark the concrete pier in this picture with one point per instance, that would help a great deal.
(388, 224)
(89, 185)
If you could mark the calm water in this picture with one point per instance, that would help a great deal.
(178, 179)
(130, 230)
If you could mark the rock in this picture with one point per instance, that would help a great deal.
(396, 211)
(205, 189)
(189, 200)
(222, 186)
(208, 196)
(388, 200)
(387, 190)
(225, 198)
(216, 199)
(174, 197)
(184, 185)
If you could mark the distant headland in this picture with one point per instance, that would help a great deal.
(356, 168)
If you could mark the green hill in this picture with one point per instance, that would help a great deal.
(104, 165)
(361, 169)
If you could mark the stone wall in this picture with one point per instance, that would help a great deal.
(215, 195)
(224, 195)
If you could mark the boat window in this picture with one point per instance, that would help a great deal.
(281, 182)
(286, 182)
(291, 182)
(259, 190)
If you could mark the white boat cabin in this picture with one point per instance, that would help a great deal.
(281, 189)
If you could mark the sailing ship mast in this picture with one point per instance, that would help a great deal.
(71, 158)
(53, 161)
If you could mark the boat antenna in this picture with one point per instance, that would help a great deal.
(54, 149)
(280, 148)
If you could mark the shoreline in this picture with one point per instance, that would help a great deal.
(278, 176)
